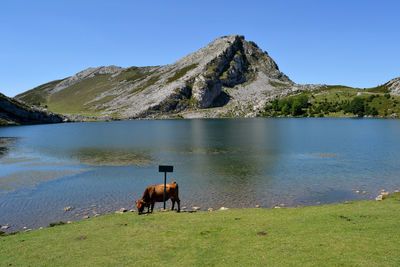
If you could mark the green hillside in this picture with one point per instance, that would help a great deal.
(79, 98)
(336, 101)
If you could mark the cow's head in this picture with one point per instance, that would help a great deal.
(140, 206)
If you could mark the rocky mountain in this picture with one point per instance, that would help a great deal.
(13, 112)
(227, 78)
(230, 77)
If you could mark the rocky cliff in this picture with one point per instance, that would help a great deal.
(12, 112)
(393, 86)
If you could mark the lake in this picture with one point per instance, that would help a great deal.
(236, 163)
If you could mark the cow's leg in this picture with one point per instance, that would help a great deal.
(179, 204)
(173, 203)
(148, 208)
(152, 207)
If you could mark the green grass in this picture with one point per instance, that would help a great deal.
(181, 72)
(362, 233)
(72, 100)
(379, 89)
(133, 74)
(277, 84)
(146, 84)
(38, 94)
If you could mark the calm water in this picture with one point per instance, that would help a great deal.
(101, 167)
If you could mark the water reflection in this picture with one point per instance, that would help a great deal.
(7, 143)
(29, 179)
(112, 156)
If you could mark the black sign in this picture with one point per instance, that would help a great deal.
(165, 168)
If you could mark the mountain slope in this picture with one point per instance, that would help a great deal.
(12, 112)
(228, 73)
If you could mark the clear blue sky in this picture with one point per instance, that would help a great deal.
(354, 43)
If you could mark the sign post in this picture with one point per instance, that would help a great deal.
(165, 169)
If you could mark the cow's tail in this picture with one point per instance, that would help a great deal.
(177, 188)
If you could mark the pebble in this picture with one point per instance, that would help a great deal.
(132, 210)
(96, 215)
(277, 207)
(40, 228)
(69, 222)
(123, 210)
(210, 209)
(258, 206)
(68, 208)
(396, 191)
(378, 198)
(5, 227)
(86, 217)
(195, 208)
(283, 205)
(183, 208)
(364, 192)
(384, 193)
(357, 191)
(24, 227)
(223, 208)
(383, 190)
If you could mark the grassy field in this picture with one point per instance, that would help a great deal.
(361, 233)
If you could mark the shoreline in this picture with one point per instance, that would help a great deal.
(184, 209)
(175, 117)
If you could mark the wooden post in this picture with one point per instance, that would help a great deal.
(165, 187)
(165, 169)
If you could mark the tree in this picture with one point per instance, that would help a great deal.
(374, 112)
(275, 105)
(357, 106)
(286, 109)
(303, 101)
(296, 108)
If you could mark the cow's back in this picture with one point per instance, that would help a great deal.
(156, 192)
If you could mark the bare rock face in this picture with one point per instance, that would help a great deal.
(205, 91)
(238, 63)
(394, 86)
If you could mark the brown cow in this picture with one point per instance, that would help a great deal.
(155, 193)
